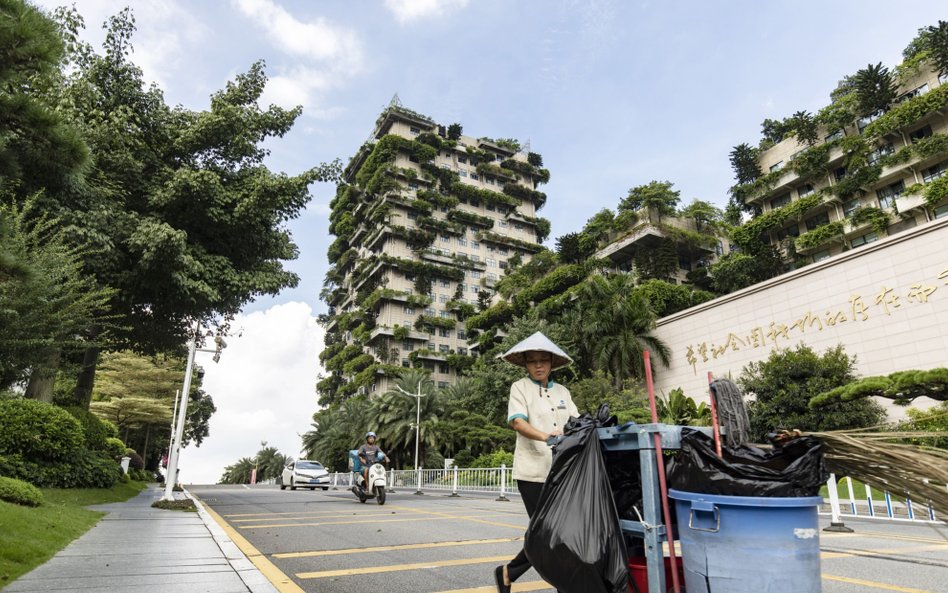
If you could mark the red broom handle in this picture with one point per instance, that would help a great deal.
(715, 427)
(673, 560)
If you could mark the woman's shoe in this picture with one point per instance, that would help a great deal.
(499, 579)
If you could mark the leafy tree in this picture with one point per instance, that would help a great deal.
(937, 44)
(706, 216)
(571, 249)
(774, 131)
(182, 201)
(454, 132)
(46, 301)
(783, 385)
(735, 270)
(934, 419)
(656, 196)
(875, 89)
(614, 325)
(38, 148)
(627, 403)
(665, 298)
(656, 262)
(337, 430)
(744, 163)
(395, 412)
(535, 159)
(806, 128)
(902, 387)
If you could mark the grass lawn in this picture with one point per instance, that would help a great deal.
(31, 536)
(859, 491)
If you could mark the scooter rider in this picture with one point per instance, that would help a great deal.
(368, 454)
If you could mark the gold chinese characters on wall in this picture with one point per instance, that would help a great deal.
(857, 310)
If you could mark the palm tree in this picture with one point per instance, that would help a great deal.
(337, 430)
(395, 414)
(238, 473)
(617, 320)
(269, 462)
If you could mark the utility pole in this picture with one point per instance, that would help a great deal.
(172, 477)
(417, 397)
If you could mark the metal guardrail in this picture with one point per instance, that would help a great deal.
(891, 508)
(455, 480)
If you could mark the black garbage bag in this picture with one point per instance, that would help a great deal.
(625, 478)
(794, 468)
(574, 540)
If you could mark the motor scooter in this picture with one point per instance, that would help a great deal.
(377, 479)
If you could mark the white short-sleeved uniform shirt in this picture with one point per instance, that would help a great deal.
(547, 408)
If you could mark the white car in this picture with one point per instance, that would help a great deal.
(304, 473)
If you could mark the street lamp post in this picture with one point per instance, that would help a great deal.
(417, 397)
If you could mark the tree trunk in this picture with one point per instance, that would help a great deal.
(43, 377)
(144, 452)
(82, 394)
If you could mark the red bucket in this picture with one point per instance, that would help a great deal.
(638, 574)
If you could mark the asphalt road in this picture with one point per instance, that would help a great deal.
(331, 543)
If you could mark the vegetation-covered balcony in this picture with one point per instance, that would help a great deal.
(397, 333)
(820, 238)
(395, 113)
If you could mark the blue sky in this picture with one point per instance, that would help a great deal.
(613, 94)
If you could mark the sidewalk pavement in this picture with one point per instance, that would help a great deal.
(137, 548)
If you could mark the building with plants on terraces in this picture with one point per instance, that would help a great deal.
(869, 165)
(426, 220)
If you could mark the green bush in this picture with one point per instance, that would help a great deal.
(83, 469)
(38, 430)
(495, 459)
(136, 460)
(20, 492)
(114, 448)
(96, 430)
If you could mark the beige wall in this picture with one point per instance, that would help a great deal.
(725, 334)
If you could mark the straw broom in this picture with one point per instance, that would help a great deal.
(877, 458)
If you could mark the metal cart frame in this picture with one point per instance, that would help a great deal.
(638, 437)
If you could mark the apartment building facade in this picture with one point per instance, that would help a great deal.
(859, 182)
(426, 221)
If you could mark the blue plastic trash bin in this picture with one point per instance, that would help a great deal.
(749, 544)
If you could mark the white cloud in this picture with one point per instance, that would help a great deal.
(329, 53)
(263, 387)
(411, 10)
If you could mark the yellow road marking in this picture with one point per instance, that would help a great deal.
(273, 574)
(412, 519)
(516, 588)
(399, 567)
(446, 515)
(874, 584)
(908, 538)
(469, 542)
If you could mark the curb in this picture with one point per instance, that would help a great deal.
(251, 576)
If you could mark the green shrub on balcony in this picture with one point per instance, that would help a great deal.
(358, 364)
(937, 190)
(401, 332)
(750, 232)
(934, 145)
(875, 217)
(490, 237)
(820, 236)
(446, 178)
(472, 194)
(909, 112)
(758, 187)
(431, 320)
(383, 154)
(338, 362)
(538, 198)
(525, 169)
(812, 161)
(440, 226)
(462, 310)
(552, 283)
(494, 171)
(460, 362)
(495, 315)
(854, 182)
(437, 199)
(470, 219)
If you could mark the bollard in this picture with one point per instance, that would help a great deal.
(454, 489)
(836, 522)
(335, 480)
(872, 511)
(418, 480)
(391, 481)
(503, 483)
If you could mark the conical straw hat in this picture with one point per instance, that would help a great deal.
(537, 342)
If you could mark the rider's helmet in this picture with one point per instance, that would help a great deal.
(370, 434)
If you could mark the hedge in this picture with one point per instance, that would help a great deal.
(20, 492)
(96, 430)
(38, 430)
(83, 469)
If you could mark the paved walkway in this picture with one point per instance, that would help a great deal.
(136, 548)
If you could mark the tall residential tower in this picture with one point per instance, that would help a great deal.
(426, 220)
